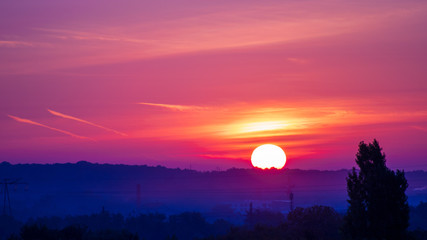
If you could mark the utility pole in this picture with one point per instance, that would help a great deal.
(138, 196)
(291, 194)
(291, 197)
(250, 215)
(6, 198)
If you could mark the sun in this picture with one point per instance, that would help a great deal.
(268, 156)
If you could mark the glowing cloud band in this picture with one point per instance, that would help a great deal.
(174, 107)
(84, 121)
(23, 120)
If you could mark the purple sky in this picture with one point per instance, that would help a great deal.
(202, 83)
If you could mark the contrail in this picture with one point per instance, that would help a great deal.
(420, 188)
(174, 107)
(84, 121)
(51, 128)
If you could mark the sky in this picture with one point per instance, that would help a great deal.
(200, 84)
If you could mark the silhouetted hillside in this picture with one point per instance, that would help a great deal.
(81, 188)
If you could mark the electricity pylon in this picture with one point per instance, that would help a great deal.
(291, 198)
(290, 194)
(6, 200)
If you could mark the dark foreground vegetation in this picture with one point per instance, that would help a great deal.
(317, 222)
(105, 225)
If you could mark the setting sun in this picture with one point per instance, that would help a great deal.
(268, 156)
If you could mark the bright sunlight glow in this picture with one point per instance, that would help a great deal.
(268, 156)
(263, 126)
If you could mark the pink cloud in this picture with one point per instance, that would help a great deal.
(23, 120)
(174, 106)
(86, 122)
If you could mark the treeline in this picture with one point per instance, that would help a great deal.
(317, 222)
(105, 225)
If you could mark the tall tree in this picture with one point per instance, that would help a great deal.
(378, 207)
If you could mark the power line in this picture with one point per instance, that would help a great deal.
(6, 199)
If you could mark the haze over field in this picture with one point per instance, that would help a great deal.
(84, 188)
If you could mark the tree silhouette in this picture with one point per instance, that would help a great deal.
(418, 216)
(263, 217)
(316, 222)
(378, 207)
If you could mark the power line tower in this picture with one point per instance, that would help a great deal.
(138, 196)
(6, 199)
(291, 198)
(290, 194)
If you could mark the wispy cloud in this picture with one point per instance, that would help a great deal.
(297, 60)
(82, 35)
(84, 121)
(174, 106)
(423, 129)
(23, 120)
(420, 188)
(14, 43)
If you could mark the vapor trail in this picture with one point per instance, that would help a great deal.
(23, 120)
(84, 121)
(174, 106)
